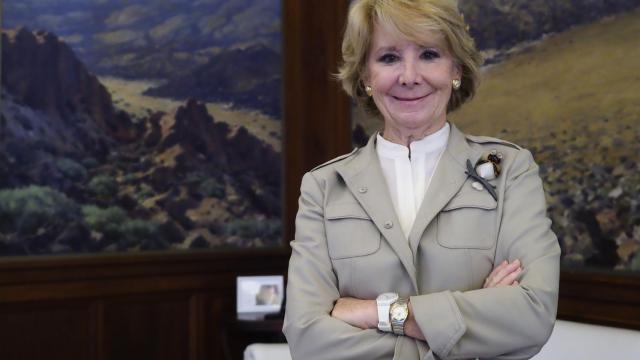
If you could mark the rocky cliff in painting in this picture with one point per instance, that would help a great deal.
(41, 72)
(210, 50)
(76, 175)
(54, 112)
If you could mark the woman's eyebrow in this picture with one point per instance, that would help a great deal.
(386, 49)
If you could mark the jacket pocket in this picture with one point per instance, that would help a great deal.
(350, 231)
(468, 221)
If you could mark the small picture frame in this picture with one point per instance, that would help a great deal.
(259, 295)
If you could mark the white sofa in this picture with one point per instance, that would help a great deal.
(267, 352)
(569, 340)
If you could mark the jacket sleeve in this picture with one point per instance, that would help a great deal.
(511, 322)
(312, 291)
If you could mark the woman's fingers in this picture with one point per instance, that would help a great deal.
(504, 274)
(510, 278)
(498, 268)
(494, 272)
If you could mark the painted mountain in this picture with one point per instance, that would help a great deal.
(501, 24)
(237, 80)
(563, 80)
(88, 163)
(148, 39)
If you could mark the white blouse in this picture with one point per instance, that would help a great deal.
(408, 171)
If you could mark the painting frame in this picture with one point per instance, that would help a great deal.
(86, 306)
(306, 60)
(240, 207)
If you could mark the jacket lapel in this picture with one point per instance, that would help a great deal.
(363, 176)
(445, 184)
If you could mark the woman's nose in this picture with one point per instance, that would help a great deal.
(409, 75)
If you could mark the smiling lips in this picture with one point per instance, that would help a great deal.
(412, 99)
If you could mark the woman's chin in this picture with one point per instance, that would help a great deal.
(414, 121)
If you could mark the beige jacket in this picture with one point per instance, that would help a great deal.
(348, 242)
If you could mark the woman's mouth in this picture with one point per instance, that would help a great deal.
(409, 99)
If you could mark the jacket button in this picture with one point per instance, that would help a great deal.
(363, 190)
(388, 225)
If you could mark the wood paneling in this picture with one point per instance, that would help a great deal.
(145, 306)
(600, 298)
(317, 112)
(150, 327)
(46, 330)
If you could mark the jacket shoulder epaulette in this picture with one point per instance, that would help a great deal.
(491, 140)
(335, 160)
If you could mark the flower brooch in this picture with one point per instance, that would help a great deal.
(487, 168)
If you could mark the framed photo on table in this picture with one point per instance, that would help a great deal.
(259, 295)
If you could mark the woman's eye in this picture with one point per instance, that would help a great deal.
(430, 55)
(388, 58)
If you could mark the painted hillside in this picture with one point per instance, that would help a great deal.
(573, 99)
(78, 175)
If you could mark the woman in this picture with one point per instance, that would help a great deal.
(426, 243)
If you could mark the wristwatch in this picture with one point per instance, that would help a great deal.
(384, 302)
(398, 314)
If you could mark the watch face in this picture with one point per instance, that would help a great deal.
(399, 313)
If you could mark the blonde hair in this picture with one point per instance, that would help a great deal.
(412, 19)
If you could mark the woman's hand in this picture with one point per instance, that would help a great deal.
(504, 275)
(359, 313)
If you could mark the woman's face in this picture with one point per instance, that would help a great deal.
(411, 83)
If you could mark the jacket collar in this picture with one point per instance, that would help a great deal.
(363, 176)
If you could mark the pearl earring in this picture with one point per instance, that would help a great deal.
(369, 90)
(456, 84)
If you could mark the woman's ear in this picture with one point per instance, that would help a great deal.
(457, 71)
(363, 82)
(364, 79)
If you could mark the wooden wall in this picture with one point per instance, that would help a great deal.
(152, 306)
(176, 305)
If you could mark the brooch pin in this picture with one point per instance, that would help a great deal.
(487, 168)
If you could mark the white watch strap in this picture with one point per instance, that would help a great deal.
(384, 324)
(384, 302)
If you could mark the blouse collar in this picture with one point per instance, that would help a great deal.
(429, 144)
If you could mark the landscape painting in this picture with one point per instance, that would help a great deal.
(562, 79)
(135, 125)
